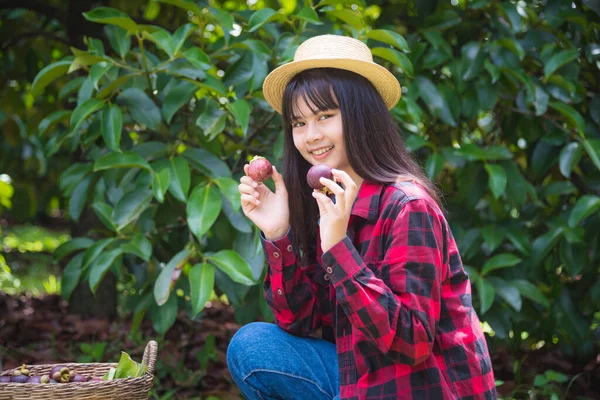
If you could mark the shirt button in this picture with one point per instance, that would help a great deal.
(279, 292)
(326, 277)
(276, 254)
(289, 248)
(329, 270)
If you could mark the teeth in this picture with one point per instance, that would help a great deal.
(322, 151)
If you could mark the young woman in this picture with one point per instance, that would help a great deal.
(373, 267)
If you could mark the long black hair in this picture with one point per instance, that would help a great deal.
(374, 144)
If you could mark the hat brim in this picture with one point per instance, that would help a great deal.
(386, 84)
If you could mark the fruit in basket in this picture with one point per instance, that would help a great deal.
(260, 169)
(35, 379)
(79, 378)
(4, 379)
(19, 378)
(45, 379)
(60, 373)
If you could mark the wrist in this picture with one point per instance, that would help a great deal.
(276, 235)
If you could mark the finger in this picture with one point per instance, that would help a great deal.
(325, 203)
(248, 181)
(350, 187)
(279, 182)
(247, 199)
(331, 185)
(247, 189)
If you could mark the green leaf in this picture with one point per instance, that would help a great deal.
(234, 266)
(184, 4)
(396, 58)
(197, 58)
(127, 368)
(207, 163)
(78, 198)
(70, 87)
(558, 60)
(139, 246)
(181, 34)
(161, 180)
(486, 293)
(541, 100)
(180, 178)
(474, 57)
(507, 291)
(113, 86)
(571, 115)
(142, 108)
(493, 235)
(586, 206)
(202, 282)
(203, 208)
(389, 37)
(111, 16)
(131, 206)
(308, 14)
(229, 188)
(104, 213)
(512, 45)
(261, 17)
(101, 267)
(83, 111)
(544, 244)
(53, 118)
(163, 40)
(90, 255)
(119, 39)
(212, 120)
(592, 147)
(112, 125)
(72, 245)
(434, 165)
(241, 111)
(569, 157)
(179, 95)
(503, 260)
(48, 75)
(120, 160)
(497, 180)
(241, 71)
(434, 100)
(164, 317)
(165, 282)
(97, 71)
(532, 292)
(520, 239)
(70, 276)
(350, 17)
(414, 143)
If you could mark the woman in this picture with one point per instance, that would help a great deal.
(374, 266)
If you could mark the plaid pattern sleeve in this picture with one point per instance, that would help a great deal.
(289, 289)
(400, 320)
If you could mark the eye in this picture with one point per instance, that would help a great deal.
(297, 124)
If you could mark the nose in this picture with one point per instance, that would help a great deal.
(313, 134)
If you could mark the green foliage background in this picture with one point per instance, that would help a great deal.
(140, 133)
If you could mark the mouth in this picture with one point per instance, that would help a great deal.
(320, 153)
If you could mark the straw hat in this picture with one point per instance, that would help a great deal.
(332, 51)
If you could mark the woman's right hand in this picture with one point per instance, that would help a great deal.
(269, 211)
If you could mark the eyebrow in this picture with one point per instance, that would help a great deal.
(296, 118)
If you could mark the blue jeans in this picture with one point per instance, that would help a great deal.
(268, 363)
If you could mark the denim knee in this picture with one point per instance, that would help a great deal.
(248, 342)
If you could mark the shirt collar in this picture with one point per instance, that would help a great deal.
(366, 204)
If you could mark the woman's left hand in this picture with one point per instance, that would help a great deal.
(335, 217)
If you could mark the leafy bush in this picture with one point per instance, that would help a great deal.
(498, 103)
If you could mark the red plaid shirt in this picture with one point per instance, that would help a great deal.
(394, 297)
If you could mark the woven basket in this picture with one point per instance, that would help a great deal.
(126, 388)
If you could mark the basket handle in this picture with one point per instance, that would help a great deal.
(150, 356)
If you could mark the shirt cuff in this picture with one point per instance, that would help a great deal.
(342, 261)
(278, 252)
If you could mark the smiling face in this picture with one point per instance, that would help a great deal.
(318, 134)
